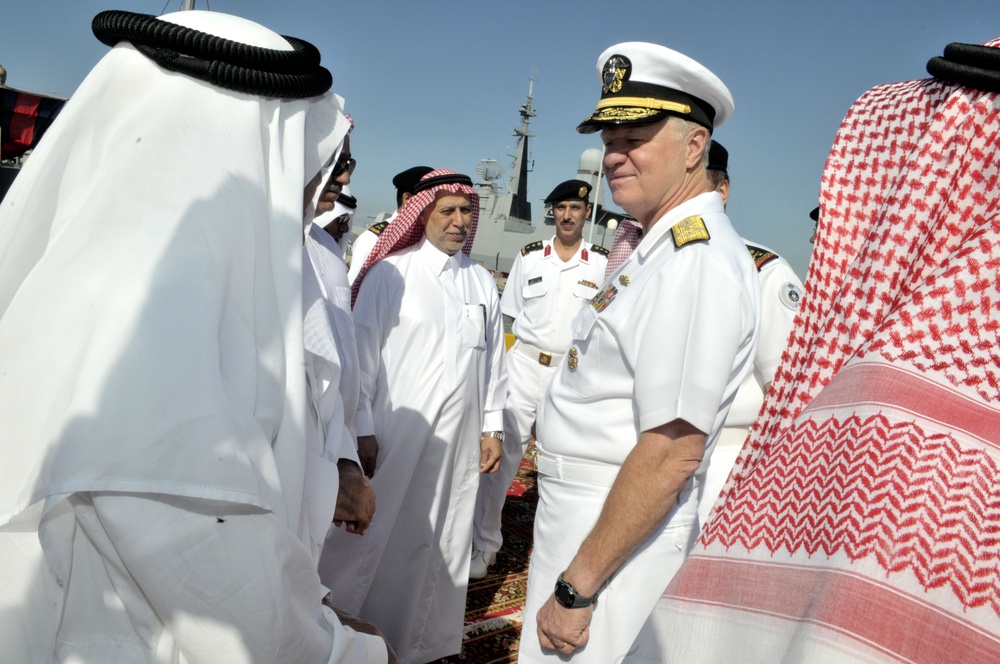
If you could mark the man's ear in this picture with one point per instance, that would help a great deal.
(723, 190)
(698, 141)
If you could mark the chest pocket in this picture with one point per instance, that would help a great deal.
(472, 327)
(585, 376)
(534, 287)
(585, 291)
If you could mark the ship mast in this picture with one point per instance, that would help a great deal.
(520, 206)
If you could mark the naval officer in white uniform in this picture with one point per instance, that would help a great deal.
(549, 283)
(781, 292)
(639, 400)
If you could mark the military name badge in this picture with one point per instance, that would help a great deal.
(534, 281)
(790, 295)
(604, 298)
(688, 230)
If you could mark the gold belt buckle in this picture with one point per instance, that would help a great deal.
(545, 359)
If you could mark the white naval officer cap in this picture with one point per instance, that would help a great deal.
(642, 83)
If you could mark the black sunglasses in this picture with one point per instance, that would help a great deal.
(343, 164)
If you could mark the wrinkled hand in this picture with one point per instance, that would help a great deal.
(563, 629)
(365, 627)
(368, 454)
(355, 499)
(490, 454)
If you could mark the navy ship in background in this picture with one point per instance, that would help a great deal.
(505, 220)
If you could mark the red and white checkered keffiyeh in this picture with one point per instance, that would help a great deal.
(862, 521)
(408, 227)
(626, 240)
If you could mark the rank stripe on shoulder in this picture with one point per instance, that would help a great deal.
(379, 227)
(761, 257)
(691, 229)
(534, 246)
(598, 249)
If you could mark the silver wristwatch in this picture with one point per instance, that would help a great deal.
(494, 434)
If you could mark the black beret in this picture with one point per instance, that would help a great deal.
(408, 179)
(718, 158)
(569, 189)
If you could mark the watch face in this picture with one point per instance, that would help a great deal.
(565, 594)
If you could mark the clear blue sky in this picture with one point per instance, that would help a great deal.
(440, 82)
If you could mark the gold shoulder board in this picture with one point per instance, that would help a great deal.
(688, 230)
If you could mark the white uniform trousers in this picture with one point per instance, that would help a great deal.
(569, 503)
(527, 380)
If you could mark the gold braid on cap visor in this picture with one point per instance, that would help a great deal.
(646, 103)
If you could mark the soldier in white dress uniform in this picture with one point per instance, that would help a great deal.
(549, 283)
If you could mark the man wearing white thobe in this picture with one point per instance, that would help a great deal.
(430, 342)
(165, 489)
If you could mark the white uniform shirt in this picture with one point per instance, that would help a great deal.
(543, 293)
(780, 294)
(362, 247)
(653, 354)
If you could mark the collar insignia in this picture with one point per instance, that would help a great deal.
(616, 71)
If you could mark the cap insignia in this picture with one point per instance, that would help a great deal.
(616, 71)
(688, 230)
(583, 192)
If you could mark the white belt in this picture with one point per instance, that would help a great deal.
(581, 471)
(543, 357)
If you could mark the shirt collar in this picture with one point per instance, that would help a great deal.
(706, 203)
(439, 261)
(581, 254)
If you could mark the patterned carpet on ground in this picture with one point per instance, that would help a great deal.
(494, 608)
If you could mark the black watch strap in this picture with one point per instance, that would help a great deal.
(568, 597)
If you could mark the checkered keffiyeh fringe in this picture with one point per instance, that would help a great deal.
(626, 240)
(408, 227)
(871, 478)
